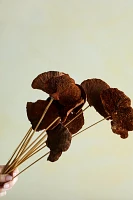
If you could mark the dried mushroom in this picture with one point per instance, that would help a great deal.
(64, 111)
(61, 87)
(76, 123)
(118, 129)
(35, 111)
(41, 82)
(59, 140)
(93, 88)
(114, 99)
(54, 155)
(118, 106)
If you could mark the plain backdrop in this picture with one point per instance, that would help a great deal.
(87, 39)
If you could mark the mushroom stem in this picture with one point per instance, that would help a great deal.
(41, 134)
(32, 164)
(35, 149)
(91, 126)
(17, 149)
(36, 145)
(27, 157)
(78, 114)
(25, 142)
(48, 152)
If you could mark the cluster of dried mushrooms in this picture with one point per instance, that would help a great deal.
(68, 100)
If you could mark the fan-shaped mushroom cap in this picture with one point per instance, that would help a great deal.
(93, 88)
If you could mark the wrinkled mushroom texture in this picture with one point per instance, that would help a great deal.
(54, 156)
(41, 81)
(124, 117)
(118, 129)
(114, 99)
(65, 110)
(93, 88)
(70, 96)
(75, 125)
(53, 83)
(35, 111)
(59, 138)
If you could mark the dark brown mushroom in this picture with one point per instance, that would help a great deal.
(118, 106)
(75, 125)
(70, 96)
(60, 86)
(122, 121)
(35, 111)
(59, 140)
(64, 111)
(54, 155)
(41, 82)
(114, 99)
(93, 88)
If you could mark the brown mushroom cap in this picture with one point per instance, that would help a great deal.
(114, 99)
(122, 121)
(35, 111)
(53, 83)
(54, 155)
(72, 105)
(41, 81)
(60, 86)
(117, 104)
(119, 130)
(70, 96)
(75, 125)
(93, 88)
(59, 140)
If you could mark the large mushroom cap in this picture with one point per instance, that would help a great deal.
(35, 111)
(52, 82)
(60, 86)
(41, 82)
(93, 88)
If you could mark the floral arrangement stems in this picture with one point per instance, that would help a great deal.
(65, 118)
(12, 163)
(49, 152)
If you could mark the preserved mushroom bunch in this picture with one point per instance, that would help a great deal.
(68, 100)
(61, 115)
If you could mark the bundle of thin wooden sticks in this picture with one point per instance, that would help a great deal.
(28, 147)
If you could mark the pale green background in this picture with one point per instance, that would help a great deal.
(87, 39)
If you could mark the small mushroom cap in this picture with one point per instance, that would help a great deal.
(35, 111)
(93, 88)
